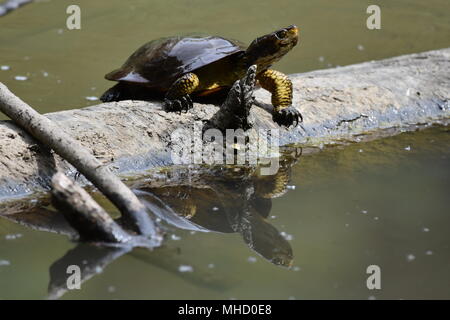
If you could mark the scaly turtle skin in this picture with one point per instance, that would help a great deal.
(183, 66)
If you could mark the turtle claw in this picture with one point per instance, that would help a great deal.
(182, 104)
(287, 117)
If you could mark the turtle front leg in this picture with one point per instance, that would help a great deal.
(177, 98)
(279, 85)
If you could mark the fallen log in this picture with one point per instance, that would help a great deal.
(338, 105)
(57, 139)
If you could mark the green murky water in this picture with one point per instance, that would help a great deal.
(381, 203)
(63, 67)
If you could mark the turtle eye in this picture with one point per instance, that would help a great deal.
(281, 34)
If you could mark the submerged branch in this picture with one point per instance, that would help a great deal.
(84, 214)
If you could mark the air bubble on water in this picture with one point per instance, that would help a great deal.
(321, 59)
(410, 257)
(408, 148)
(290, 187)
(45, 73)
(375, 218)
(287, 236)
(215, 208)
(4, 68)
(111, 289)
(185, 268)
(273, 217)
(360, 150)
(192, 232)
(360, 47)
(4, 263)
(91, 98)
(347, 225)
(428, 252)
(60, 31)
(364, 211)
(296, 269)
(426, 229)
(211, 266)
(251, 259)
(175, 237)
(21, 78)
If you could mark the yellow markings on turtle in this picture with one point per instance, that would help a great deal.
(210, 89)
(279, 85)
(273, 186)
(189, 209)
(183, 86)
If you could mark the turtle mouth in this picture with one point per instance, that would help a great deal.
(288, 42)
(295, 41)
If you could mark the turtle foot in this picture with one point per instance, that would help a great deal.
(287, 117)
(182, 104)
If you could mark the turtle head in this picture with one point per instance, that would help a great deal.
(268, 49)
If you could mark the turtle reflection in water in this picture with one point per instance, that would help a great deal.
(234, 200)
(242, 199)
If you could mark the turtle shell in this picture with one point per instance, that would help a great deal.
(159, 63)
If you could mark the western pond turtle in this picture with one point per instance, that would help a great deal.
(179, 67)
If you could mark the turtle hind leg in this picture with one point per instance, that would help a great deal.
(117, 93)
(177, 98)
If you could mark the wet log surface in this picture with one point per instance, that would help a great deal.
(338, 105)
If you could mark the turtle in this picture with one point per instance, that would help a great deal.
(183, 66)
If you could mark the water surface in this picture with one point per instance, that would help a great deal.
(63, 66)
(379, 203)
(384, 202)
